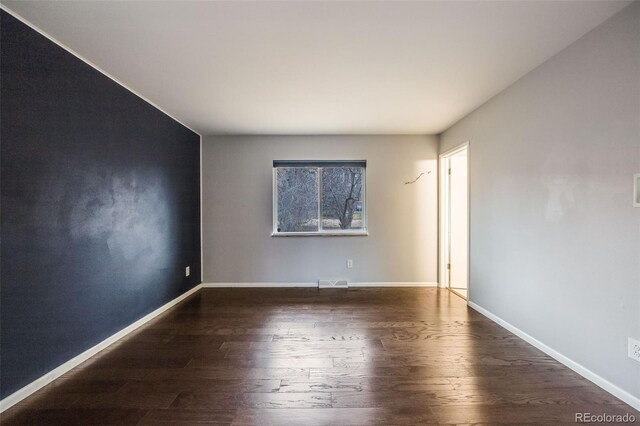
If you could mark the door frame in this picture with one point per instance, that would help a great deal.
(444, 198)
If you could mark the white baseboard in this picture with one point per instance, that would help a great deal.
(258, 285)
(394, 284)
(37, 384)
(315, 284)
(583, 371)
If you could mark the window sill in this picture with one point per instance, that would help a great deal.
(363, 233)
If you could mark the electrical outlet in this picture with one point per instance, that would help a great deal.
(187, 271)
(349, 263)
(634, 349)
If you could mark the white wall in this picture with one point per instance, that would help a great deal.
(555, 241)
(237, 211)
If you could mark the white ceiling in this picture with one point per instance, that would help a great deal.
(302, 67)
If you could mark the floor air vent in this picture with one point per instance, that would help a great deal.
(333, 284)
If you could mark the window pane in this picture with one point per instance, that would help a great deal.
(342, 201)
(297, 199)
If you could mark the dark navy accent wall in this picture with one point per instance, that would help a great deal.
(100, 206)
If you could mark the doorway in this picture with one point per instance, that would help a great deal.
(454, 213)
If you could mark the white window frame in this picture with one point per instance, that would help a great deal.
(320, 232)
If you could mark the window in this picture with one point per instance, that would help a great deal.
(319, 198)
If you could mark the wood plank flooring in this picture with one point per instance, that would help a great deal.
(307, 356)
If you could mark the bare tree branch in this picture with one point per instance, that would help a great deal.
(416, 179)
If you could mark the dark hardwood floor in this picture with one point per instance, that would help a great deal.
(304, 357)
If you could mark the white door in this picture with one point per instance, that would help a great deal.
(458, 222)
